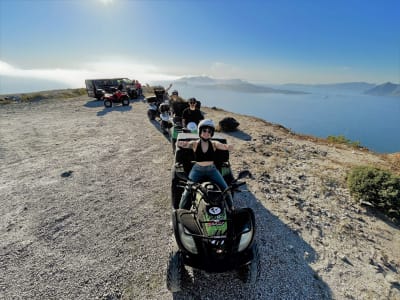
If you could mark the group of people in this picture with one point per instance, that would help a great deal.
(136, 85)
(204, 149)
(188, 114)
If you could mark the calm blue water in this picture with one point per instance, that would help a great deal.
(373, 121)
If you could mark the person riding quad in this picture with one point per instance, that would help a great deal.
(204, 169)
(192, 113)
(178, 104)
(120, 86)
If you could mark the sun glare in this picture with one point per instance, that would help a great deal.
(106, 2)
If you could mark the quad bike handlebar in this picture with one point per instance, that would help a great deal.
(234, 186)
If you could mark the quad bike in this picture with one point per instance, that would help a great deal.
(132, 92)
(209, 236)
(165, 119)
(154, 102)
(177, 128)
(152, 109)
(116, 97)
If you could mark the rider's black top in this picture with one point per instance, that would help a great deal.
(192, 116)
(207, 156)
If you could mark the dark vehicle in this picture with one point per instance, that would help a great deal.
(209, 236)
(129, 87)
(116, 97)
(96, 88)
(177, 126)
(154, 102)
(165, 118)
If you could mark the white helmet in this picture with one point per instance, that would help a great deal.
(206, 123)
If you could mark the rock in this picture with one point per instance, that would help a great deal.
(228, 124)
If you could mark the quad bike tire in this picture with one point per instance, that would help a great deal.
(151, 115)
(250, 273)
(107, 103)
(175, 271)
(176, 192)
(125, 101)
(173, 143)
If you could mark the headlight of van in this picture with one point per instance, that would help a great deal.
(245, 240)
(187, 240)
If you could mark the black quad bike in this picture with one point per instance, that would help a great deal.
(155, 102)
(209, 236)
(165, 118)
(115, 97)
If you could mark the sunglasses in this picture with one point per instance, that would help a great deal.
(207, 130)
(192, 102)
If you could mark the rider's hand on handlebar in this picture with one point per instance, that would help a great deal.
(183, 144)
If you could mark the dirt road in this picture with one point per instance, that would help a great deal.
(85, 211)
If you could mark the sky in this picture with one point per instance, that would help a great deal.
(59, 43)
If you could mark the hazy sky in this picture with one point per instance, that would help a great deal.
(277, 41)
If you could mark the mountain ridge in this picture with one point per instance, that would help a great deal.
(239, 85)
(385, 89)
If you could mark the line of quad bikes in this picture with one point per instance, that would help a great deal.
(208, 236)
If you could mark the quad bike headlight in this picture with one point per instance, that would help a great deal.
(245, 240)
(187, 240)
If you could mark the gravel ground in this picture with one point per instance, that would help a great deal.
(85, 210)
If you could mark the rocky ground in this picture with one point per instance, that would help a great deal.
(85, 210)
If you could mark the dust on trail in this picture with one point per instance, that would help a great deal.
(85, 210)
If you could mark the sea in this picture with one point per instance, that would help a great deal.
(373, 121)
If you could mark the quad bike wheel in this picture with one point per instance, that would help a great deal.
(125, 101)
(174, 272)
(249, 273)
(173, 143)
(107, 103)
(151, 114)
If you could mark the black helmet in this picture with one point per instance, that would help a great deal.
(206, 123)
(175, 92)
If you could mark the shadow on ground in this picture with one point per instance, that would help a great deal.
(239, 134)
(285, 272)
(118, 108)
(157, 125)
(94, 103)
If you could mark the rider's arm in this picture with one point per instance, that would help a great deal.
(221, 146)
(184, 117)
(168, 88)
(185, 144)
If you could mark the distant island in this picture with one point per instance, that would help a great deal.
(236, 85)
(385, 89)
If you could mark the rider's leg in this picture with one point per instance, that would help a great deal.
(216, 177)
(195, 175)
(184, 203)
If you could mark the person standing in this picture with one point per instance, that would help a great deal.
(138, 87)
(178, 104)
